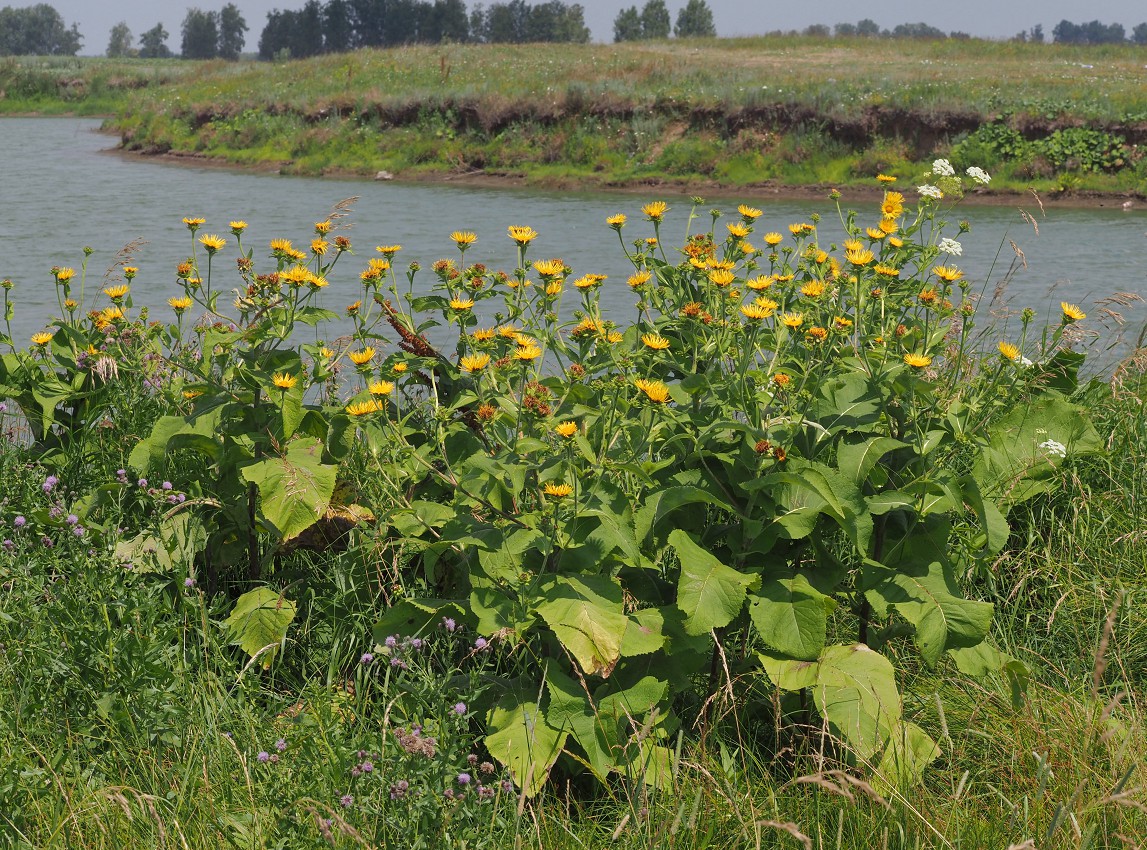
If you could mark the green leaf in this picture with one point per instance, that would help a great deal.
(518, 736)
(260, 620)
(665, 501)
(586, 620)
(149, 452)
(294, 490)
(791, 615)
(856, 456)
(909, 751)
(172, 548)
(709, 593)
(643, 633)
(856, 693)
(415, 617)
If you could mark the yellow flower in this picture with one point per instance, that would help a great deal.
(792, 320)
(361, 408)
(566, 429)
(852, 245)
(523, 235)
(281, 246)
(550, 268)
(655, 210)
(319, 247)
(527, 352)
(760, 282)
(859, 258)
(894, 241)
(917, 361)
(801, 228)
(589, 281)
(284, 381)
(326, 352)
(474, 362)
(721, 277)
(352, 309)
(558, 491)
(948, 274)
(212, 243)
(461, 303)
(887, 271)
(70, 304)
(115, 293)
(388, 251)
(1009, 351)
(322, 228)
(655, 341)
(616, 221)
(755, 312)
(817, 333)
(482, 334)
(766, 303)
(655, 391)
(362, 357)
(1071, 313)
(889, 226)
(748, 213)
(130, 272)
(639, 279)
(874, 233)
(524, 341)
(928, 296)
(737, 230)
(464, 238)
(317, 282)
(781, 380)
(893, 204)
(42, 338)
(237, 227)
(381, 388)
(64, 275)
(111, 314)
(194, 223)
(190, 394)
(614, 337)
(553, 288)
(842, 323)
(813, 289)
(773, 239)
(885, 178)
(508, 331)
(399, 368)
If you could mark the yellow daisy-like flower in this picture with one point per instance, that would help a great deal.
(885, 178)
(813, 289)
(1009, 351)
(887, 271)
(352, 309)
(508, 331)
(749, 213)
(281, 246)
(43, 338)
(212, 243)
(655, 210)
(322, 228)
(464, 238)
(362, 408)
(948, 274)
(842, 323)
(859, 258)
(388, 251)
(327, 353)
(614, 337)
(399, 368)
(721, 277)
(817, 333)
(589, 281)
(381, 388)
(655, 391)
(557, 491)
(461, 304)
(237, 227)
(783, 278)
(553, 288)
(111, 314)
(766, 303)
(801, 228)
(527, 352)
(888, 226)
(616, 221)
(296, 276)
(362, 356)
(474, 362)
(852, 245)
(284, 381)
(737, 230)
(760, 282)
(70, 304)
(895, 241)
(319, 247)
(655, 341)
(115, 293)
(1071, 313)
(874, 233)
(566, 429)
(928, 296)
(917, 361)
(792, 320)
(522, 235)
(524, 340)
(892, 205)
(482, 334)
(550, 268)
(639, 279)
(782, 380)
(190, 394)
(63, 275)
(316, 282)
(755, 312)
(194, 224)
(130, 272)
(773, 239)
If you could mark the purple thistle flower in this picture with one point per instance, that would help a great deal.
(49, 483)
(120, 473)
(391, 641)
(449, 624)
(78, 531)
(189, 582)
(142, 482)
(19, 522)
(281, 745)
(460, 708)
(47, 541)
(346, 801)
(367, 767)
(463, 778)
(72, 519)
(8, 545)
(263, 757)
(480, 643)
(166, 485)
(416, 643)
(366, 658)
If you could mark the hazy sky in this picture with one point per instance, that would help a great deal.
(987, 18)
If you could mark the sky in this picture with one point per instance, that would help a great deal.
(984, 18)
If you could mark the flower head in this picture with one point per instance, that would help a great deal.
(212, 243)
(1071, 313)
(655, 210)
(557, 491)
(42, 338)
(1009, 351)
(928, 191)
(194, 224)
(284, 381)
(464, 238)
(381, 388)
(885, 178)
(362, 356)
(115, 293)
(461, 304)
(917, 361)
(361, 408)
(522, 235)
(892, 205)
(950, 246)
(616, 221)
(655, 391)
(474, 362)
(237, 227)
(748, 213)
(655, 341)
(979, 175)
(943, 168)
(566, 429)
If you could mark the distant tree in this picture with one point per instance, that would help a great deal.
(451, 23)
(37, 31)
(920, 30)
(655, 19)
(338, 30)
(695, 20)
(231, 32)
(817, 30)
(153, 44)
(507, 22)
(119, 41)
(627, 25)
(868, 28)
(1139, 34)
(200, 35)
(960, 35)
(1093, 32)
(1036, 34)
(844, 30)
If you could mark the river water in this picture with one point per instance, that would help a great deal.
(62, 188)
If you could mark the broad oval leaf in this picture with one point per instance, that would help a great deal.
(709, 593)
(260, 620)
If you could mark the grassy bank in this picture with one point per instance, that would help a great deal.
(562, 584)
(733, 112)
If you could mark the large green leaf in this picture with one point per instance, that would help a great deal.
(295, 489)
(857, 455)
(791, 615)
(173, 546)
(169, 432)
(260, 620)
(856, 693)
(518, 735)
(909, 751)
(585, 613)
(709, 593)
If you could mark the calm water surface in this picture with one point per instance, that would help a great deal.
(62, 190)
